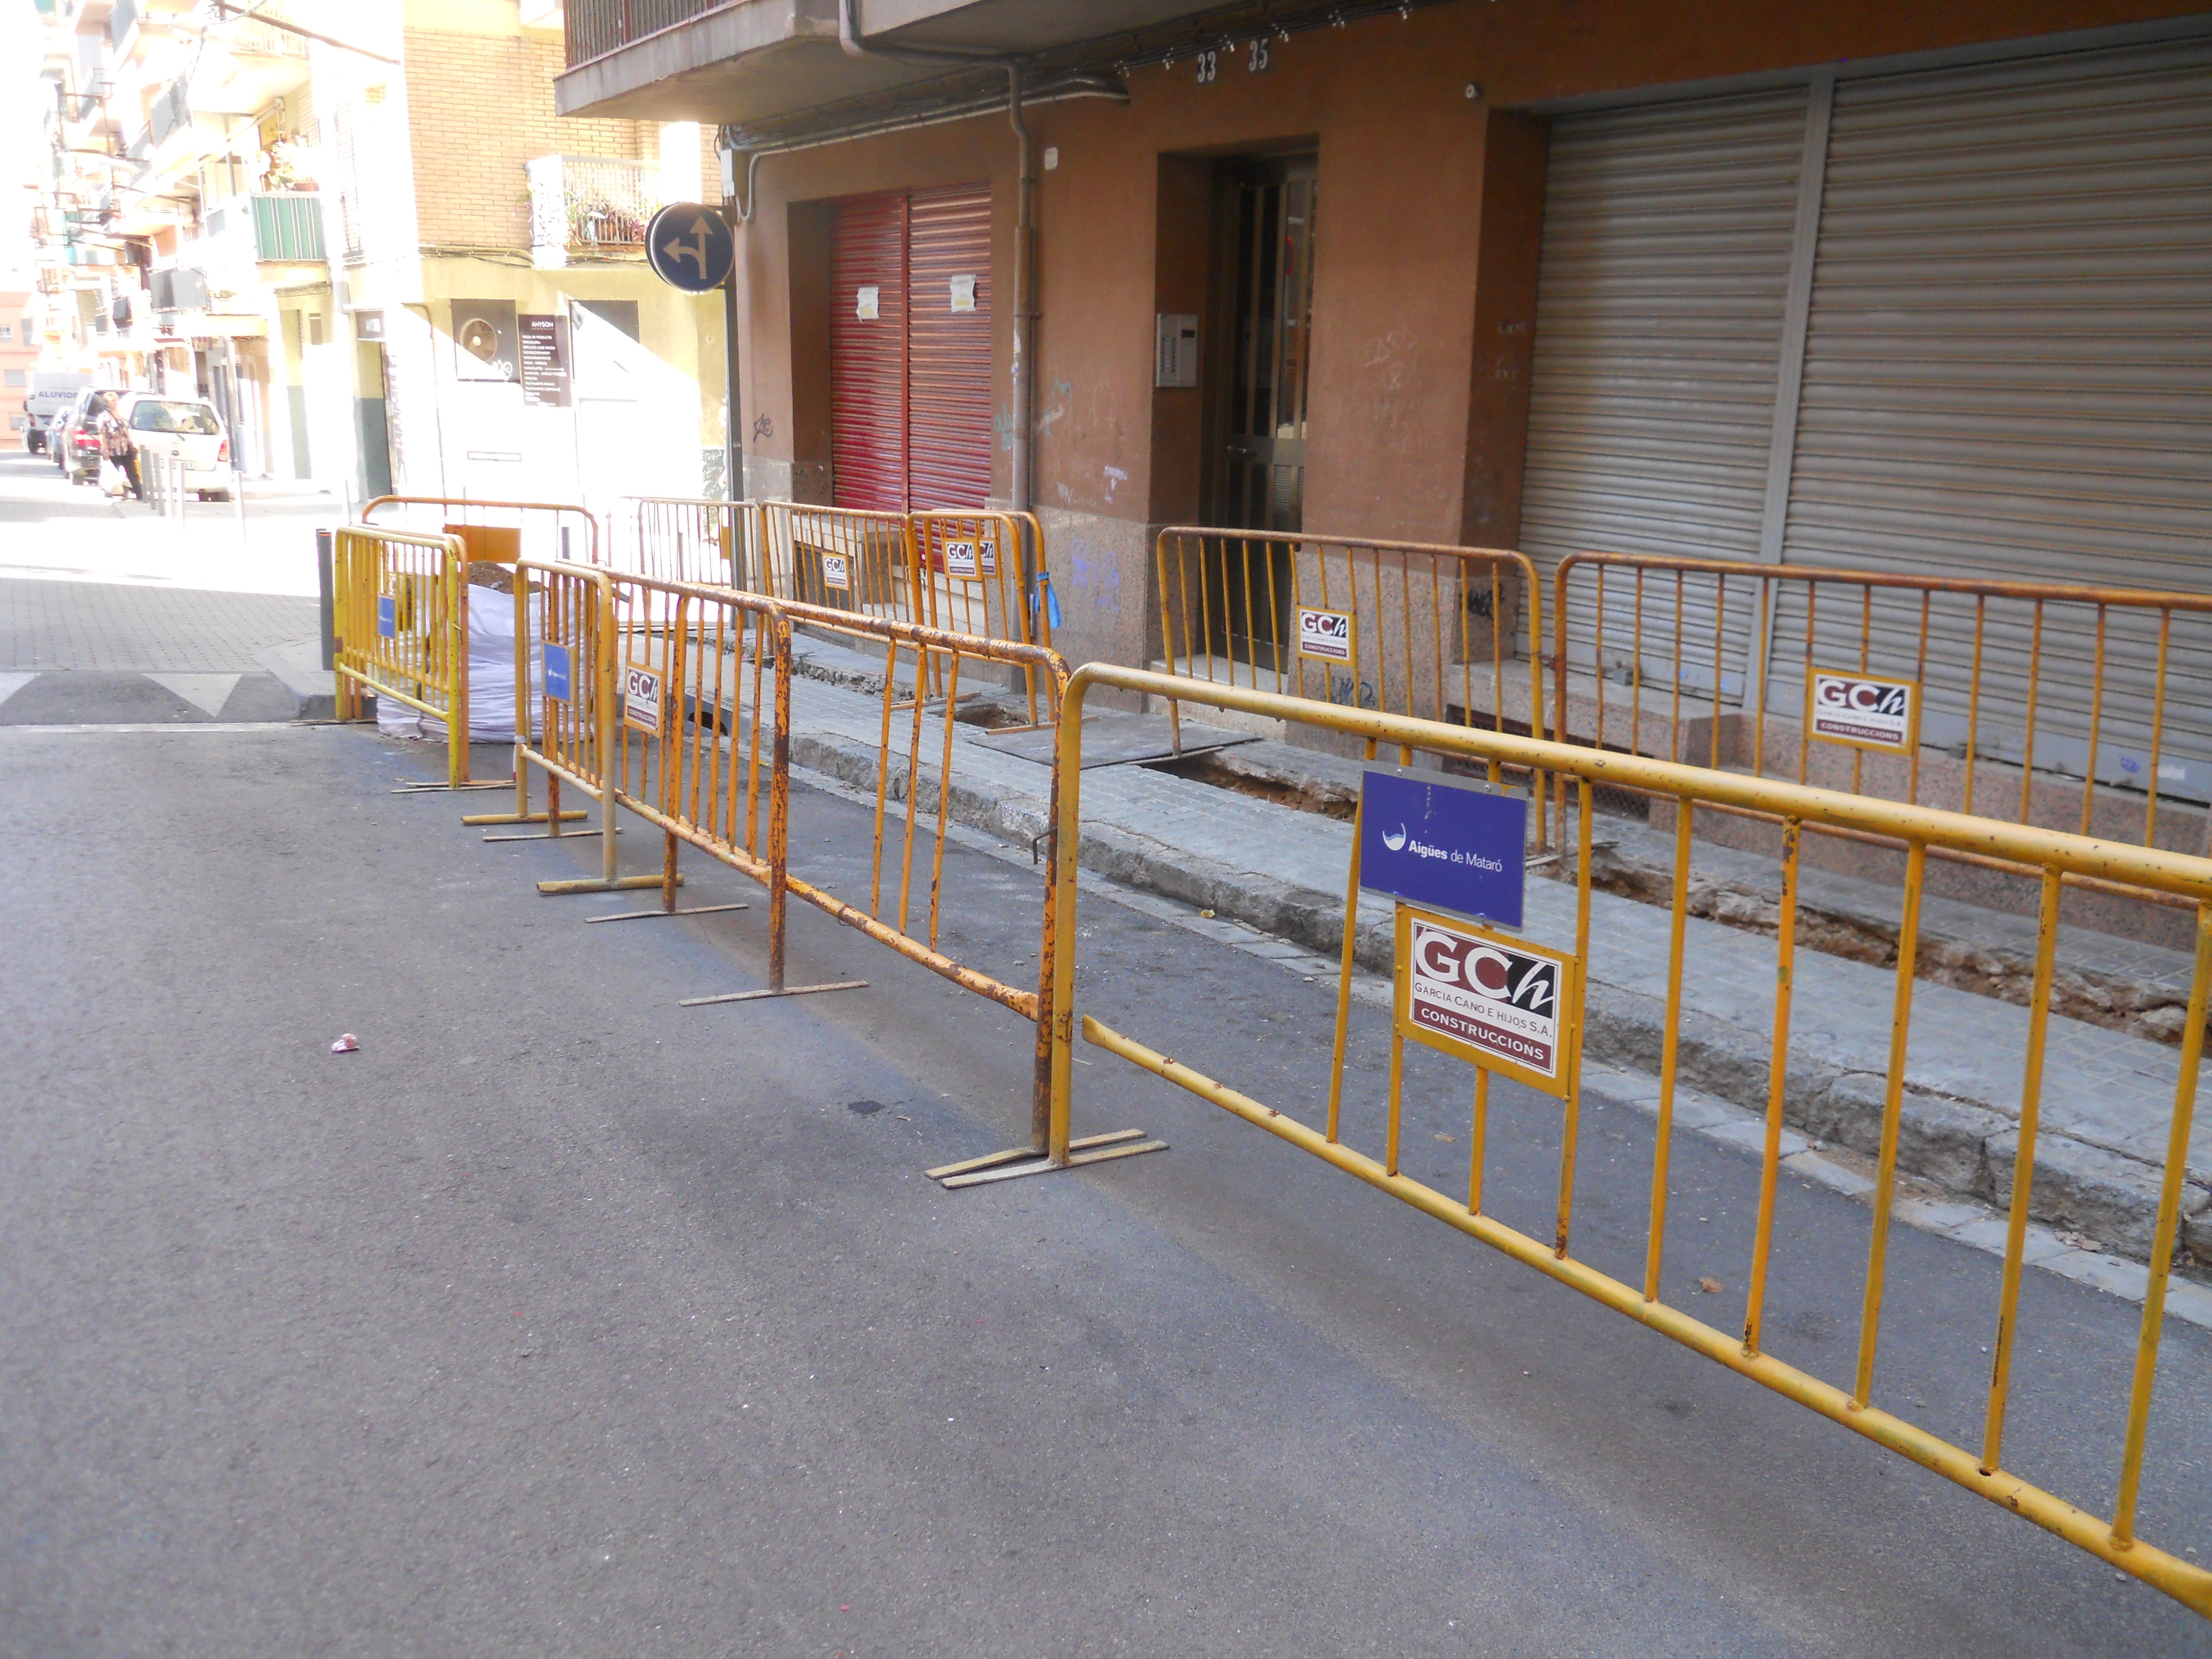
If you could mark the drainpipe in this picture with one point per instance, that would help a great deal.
(733, 435)
(1024, 386)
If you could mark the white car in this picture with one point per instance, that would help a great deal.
(162, 426)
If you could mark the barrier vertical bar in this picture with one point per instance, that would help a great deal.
(1900, 1030)
(2162, 1236)
(1670, 1052)
(2023, 1170)
(1777, 1072)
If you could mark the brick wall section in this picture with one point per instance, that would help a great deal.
(478, 106)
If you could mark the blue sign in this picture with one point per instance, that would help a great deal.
(556, 672)
(387, 617)
(1445, 842)
(689, 247)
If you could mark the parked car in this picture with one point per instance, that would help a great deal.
(163, 427)
(51, 393)
(75, 445)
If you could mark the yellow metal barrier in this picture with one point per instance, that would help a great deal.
(907, 902)
(972, 579)
(499, 533)
(687, 747)
(566, 702)
(837, 557)
(691, 539)
(1411, 628)
(2043, 703)
(399, 607)
(2053, 856)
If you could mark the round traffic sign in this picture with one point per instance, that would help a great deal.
(689, 247)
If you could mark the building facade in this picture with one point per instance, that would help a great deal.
(1926, 287)
(373, 245)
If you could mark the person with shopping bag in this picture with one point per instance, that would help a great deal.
(119, 454)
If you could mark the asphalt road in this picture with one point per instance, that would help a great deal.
(562, 1320)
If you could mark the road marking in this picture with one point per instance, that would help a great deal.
(205, 692)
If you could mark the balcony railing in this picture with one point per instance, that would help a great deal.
(596, 27)
(256, 38)
(588, 203)
(282, 225)
(122, 20)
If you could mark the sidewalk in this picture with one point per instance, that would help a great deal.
(110, 614)
(2108, 1098)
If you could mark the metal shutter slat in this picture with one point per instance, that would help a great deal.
(949, 437)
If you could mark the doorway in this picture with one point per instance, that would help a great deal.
(1261, 327)
(372, 426)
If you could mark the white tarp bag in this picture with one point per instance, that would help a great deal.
(491, 678)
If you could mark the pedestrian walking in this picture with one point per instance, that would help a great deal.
(117, 446)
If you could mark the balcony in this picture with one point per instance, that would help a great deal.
(122, 24)
(177, 290)
(594, 30)
(587, 206)
(253, 37)
(170, 112)
(283, 227)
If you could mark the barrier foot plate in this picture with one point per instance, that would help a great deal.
(649, 916)
(442, 789)
(599, 884)
(551, 834)
(1017, 1161)
(758, 996)
(475, 819)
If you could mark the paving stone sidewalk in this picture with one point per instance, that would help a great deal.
(2108, 1096)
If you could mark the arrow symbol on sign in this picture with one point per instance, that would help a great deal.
(676, 248)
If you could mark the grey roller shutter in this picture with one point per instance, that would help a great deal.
(2008, 372)
(1659, 319)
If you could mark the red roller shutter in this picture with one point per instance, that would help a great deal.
(867, 357)
(948, 351)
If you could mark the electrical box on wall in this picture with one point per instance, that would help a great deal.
(1175, 363)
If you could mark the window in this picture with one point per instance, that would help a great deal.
(16, 376)
(153, 415)
(7, 331)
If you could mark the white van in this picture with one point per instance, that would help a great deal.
(162, 426)
(50, 393)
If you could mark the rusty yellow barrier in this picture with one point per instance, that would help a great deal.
(705, 697)
(974, 573)
(2041, 702)
(2053, 856)
(906, 899)
(691, 539)
(838, 558)
(566, 701)
(1408, 627)
(399, 604)
(499, 533)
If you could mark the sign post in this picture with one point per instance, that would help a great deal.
(1454, 853)
(1862, 711)
(689, 247)
(1450, 843)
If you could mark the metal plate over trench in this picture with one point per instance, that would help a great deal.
(1120, 739)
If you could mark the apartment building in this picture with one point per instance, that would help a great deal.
(343, 224)
(18, 354)
(1922, 289)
